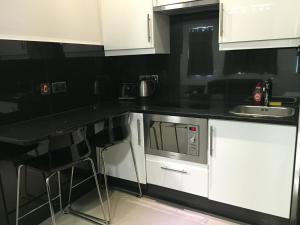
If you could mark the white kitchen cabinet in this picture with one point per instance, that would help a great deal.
(130, 29)
(251, 165)
(169, 2)
(251, 24)
(179, 175)
(118, 158)
(78, 50)
(69, 21)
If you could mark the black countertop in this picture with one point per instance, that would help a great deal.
(207, 109)
(31, 131)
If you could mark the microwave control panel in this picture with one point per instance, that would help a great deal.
(193, 140)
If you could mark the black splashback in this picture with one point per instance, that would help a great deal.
(24, 66)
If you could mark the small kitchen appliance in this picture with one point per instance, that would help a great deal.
(147, 85)
(181, 138)
(128, 91)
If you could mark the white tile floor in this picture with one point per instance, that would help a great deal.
(130, 210)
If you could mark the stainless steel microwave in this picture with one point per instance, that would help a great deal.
(182, 138)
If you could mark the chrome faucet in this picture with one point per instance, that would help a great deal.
(267, 90)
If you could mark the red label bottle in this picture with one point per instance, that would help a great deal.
(258, 94)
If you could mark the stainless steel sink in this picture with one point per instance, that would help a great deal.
(262, 111)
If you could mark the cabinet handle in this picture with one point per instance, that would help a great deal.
(139, 131)
(149, 27)
(211, 140)
(174, 170)
(221, 19)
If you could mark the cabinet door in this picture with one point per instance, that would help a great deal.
(76, 50)
(118, 158)
(51, 20)
(127, 25)
(257, 20)
(251, 165)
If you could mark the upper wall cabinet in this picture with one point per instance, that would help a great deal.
(250, 24)
(132, 28)
(69, 21)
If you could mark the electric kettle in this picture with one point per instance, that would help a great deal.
(147, 85)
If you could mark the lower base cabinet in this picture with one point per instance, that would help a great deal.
(251, 165)
(179, 175)
(118, 158)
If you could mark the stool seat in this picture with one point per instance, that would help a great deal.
(15, 148)
(102, 139)
(117, 132)
(61, 160)
(13, 152)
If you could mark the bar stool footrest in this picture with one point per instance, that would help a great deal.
(86, 216)
(37, 208)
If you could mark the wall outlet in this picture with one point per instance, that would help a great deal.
(59, 87)
(153, 77)
(45, 89)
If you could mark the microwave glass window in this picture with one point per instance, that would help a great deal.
(173, 137)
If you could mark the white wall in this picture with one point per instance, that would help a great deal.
(68, 21)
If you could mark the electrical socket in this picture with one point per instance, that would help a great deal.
(59, 87)
(154, 77)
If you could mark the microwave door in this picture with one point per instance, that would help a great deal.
(169, 137)
(155, 136)
(182, 138)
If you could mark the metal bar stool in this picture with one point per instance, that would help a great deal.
(66, 149)
(4, 201)
(116, 131)
(14, 153)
